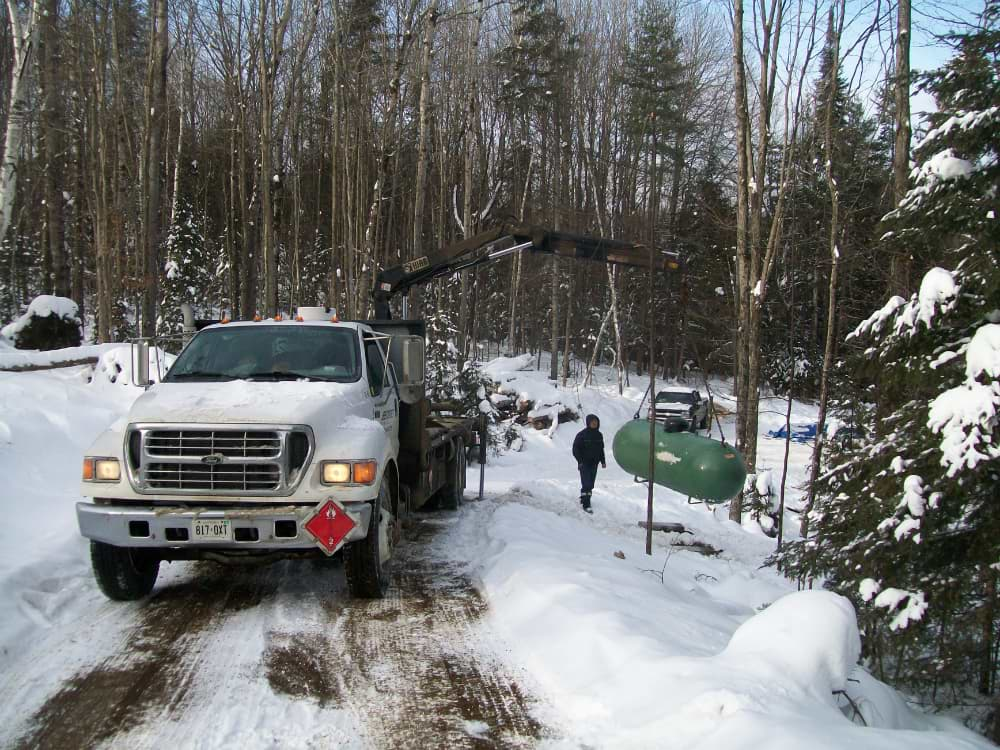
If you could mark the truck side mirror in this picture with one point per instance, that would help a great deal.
(140, 364)
(412, 361)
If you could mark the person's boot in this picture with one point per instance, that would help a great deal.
(585, 502)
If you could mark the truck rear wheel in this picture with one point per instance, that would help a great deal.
(123, 574)
(366, 562)
(451, 493)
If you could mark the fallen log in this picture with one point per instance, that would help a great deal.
(673, 528)
(50, 365)
(702, 548)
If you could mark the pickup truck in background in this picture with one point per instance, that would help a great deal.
(683, 408)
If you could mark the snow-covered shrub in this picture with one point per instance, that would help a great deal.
(49, 323)
(118, 365)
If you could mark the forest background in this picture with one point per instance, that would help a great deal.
(251, 157)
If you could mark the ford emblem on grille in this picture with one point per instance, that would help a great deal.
(212, 459)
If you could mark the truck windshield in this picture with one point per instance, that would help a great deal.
(270, 352)
(675, 397)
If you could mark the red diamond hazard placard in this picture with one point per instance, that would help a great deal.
(329, 525)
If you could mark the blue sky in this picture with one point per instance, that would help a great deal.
(927, 52)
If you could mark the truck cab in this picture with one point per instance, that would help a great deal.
(268, 440)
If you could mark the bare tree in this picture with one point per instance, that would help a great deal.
(899, 271)
(758, 232)
(23, 32)
(835, 31)
(152, 164)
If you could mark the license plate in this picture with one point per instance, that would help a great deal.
(211, 530)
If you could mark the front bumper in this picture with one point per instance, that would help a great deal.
(170, 527)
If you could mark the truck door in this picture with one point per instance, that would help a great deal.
(382, 388)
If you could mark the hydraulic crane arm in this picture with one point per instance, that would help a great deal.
(504, 240)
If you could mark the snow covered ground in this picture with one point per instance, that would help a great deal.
(720, 653)
(674, 650)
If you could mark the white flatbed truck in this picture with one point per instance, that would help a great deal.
(269, 440)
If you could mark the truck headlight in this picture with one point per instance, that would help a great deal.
(101, 469)
(336, 473)
(349, 472)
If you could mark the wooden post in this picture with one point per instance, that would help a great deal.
(482, 453)
(652, 411)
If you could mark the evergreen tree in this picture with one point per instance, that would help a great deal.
(191, 272)
(654, 78)
(535, 61)
(908, 523)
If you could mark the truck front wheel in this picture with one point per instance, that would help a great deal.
(366, 562)
(123, 574)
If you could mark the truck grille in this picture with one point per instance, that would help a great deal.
(199, 478)
(198, 443)
(226, 460)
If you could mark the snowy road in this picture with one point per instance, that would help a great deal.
(276, 656)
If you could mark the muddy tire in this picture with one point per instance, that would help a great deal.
(451, 493)
(123, 574)
(366, 571)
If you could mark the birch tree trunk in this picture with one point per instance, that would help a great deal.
(22, 34)
(899, 271)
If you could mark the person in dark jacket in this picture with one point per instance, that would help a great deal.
(588, 450)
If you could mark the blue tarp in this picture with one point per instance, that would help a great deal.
(801, 433)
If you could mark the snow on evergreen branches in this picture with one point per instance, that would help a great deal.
(907, 522)
(905, 606)
(966, 416)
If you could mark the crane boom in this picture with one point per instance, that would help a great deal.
(505, 240)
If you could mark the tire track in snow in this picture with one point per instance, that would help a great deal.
(152, 676)
(417, 667)
(223, 656)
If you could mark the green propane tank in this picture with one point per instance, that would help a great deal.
(690, 464)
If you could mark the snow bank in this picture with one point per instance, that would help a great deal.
(495, 367)
(809, 637)
(47, 420)
(625, 660)
(11, 357)
(720, 653)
